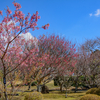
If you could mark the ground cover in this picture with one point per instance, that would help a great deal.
(54, 93)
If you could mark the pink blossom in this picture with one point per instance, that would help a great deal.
(9, 11)
(0, 12)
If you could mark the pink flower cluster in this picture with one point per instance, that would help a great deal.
(17, 5)
(8, 11)
(46, 26)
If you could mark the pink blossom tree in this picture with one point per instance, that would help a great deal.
(60, 59)
(11, 26)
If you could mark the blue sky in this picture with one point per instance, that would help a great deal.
(76, 20)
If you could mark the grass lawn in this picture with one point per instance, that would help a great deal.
(55, 94)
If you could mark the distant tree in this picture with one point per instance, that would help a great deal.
(88, 63)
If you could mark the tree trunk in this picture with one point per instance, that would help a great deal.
(5, 91)
(39, 88)
(12, 87)
(75, 88)
(76, 81)
(29, 86)
(66, 94)
(4, 82)
(61, 87)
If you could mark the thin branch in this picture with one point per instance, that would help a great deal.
(12, 40)
(18, 65)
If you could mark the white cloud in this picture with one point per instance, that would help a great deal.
(97, 13)
(27, 36)
(90, 14)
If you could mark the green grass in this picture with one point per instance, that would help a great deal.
(51, 85)
(57, 95)
(52, 95)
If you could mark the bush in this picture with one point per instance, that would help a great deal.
(94, 91)
(90, 97)
(91, 91)
(34, 96)
(97, 91)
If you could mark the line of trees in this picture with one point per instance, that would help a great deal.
(87, 67)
